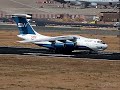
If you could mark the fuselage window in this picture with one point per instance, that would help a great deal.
(101, 42)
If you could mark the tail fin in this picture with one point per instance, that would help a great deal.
(23, 25)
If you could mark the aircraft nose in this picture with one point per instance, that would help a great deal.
(105, 46)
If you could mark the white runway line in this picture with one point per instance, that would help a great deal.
(55, 55)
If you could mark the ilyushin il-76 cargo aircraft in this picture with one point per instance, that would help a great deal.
(59, 44)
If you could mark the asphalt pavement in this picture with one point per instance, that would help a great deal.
(68, 30)
(45, 52)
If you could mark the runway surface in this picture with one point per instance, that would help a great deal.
(45, 52)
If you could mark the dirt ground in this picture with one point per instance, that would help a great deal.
(50, 73)
(29, 72)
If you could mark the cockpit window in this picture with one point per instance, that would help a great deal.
(101, 42)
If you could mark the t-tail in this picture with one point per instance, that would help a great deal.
(23, 25)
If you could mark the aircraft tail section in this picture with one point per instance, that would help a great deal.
(23, 25)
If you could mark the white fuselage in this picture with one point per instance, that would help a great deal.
(81, 42)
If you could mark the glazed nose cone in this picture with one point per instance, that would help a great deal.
(105, 46)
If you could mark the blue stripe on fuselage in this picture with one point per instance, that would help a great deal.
(75, 48)
(46, 45)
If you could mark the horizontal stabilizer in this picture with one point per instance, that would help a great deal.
(21, 15)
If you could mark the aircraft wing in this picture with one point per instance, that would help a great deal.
(61, 38)
(52, 39)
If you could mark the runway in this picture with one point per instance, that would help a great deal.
(45, 52)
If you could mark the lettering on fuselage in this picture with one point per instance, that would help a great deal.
(33, 37)
(22, 24)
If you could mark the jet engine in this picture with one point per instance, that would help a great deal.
(58, 45)
(65, 45)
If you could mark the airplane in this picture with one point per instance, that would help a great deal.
(93, 3)
(59, 44)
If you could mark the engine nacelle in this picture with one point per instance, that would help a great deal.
(58, 45)
(70, 45)
(67, 45)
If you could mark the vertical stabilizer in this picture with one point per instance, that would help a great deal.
(23, 25)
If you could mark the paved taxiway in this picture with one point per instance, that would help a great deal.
(67, 30)
(45, 52)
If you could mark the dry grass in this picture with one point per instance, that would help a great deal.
(44, 73)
